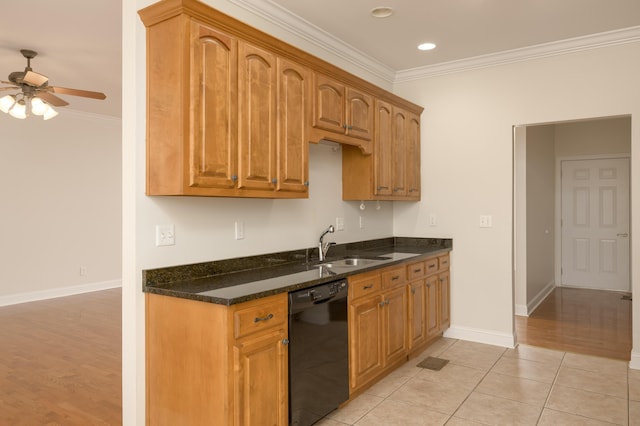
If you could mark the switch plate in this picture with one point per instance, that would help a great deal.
(361, 222)
(165, 235)
(83, 271)
(486, 221)
(432, 220)
(339, 223)
(239, 230)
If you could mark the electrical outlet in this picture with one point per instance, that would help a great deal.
(83, 271)
(339, 223)
(432, 220)
(165, 235)
(361, 222)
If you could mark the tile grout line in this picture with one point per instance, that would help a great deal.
(476, 386)
(555, 378)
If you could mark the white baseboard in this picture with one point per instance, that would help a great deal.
(542, 294)
(481, 336)
(635, 360)
(33, 296)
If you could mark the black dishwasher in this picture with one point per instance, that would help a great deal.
(318, 352)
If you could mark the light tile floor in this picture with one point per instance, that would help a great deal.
(491, 385)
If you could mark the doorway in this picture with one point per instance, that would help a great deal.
(539, 150)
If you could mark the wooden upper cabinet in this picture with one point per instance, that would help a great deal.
(256, 118)
(294, 84)
(213, 152)
(392, 172)
(341, 113)
(231, 110)
(383, 149)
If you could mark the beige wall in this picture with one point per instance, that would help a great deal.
(467, 166)
(61, 205)
(541, 190)
(593, 137)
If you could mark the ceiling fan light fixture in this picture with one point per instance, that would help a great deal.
(50, 113)
(19, 110)
(6, 102)
(38, 106)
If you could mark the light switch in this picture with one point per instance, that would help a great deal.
(339, 223)
(486, 221)
(239, 230)
(433, 221)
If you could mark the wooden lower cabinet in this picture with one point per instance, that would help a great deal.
(393, 314)
(210, 364)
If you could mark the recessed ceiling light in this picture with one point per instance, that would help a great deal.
(381, 12)
(427, 46)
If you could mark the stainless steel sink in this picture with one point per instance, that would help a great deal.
(352, 262)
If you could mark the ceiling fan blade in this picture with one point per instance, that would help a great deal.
(8, 88)
(8, 82)
(77, 92)
(35, 79)
(52, 99)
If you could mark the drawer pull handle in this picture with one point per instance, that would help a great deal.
(267, 318)
(367, 287)
(415, 271)
(395, 278)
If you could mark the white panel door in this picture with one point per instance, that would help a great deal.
(595, 223)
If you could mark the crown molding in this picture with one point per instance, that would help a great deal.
(561, 47)
(304, 29)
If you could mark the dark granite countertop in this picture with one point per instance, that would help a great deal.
(237, 280)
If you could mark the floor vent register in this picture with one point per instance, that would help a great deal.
(433, 363)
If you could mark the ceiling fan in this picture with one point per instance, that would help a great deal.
(35, 95)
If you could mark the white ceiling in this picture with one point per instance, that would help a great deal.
(79, 41)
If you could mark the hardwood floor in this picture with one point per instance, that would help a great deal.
(591, 322)
(60, 361)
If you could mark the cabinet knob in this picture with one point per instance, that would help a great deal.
(274, 180)
(306, 183)
(381, 304)
(413, 291)
(234, 178)
(285, 341)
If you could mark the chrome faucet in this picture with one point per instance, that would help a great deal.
(322, 246)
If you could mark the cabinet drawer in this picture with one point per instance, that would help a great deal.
(443, 262)
(394, 277)
(259, 317)
(431, 265)
(364, 285)
(415, 270)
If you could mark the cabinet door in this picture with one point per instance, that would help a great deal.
(433, 305)
(293, 113)
(417, 313)
(445, 318)
(212, 150)
(383, 148)
(365, 340)
(413, 156)
(359, 110)
(395, 325)
(256, 118)
(261, 381)
(329, 104)
(399, 153)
